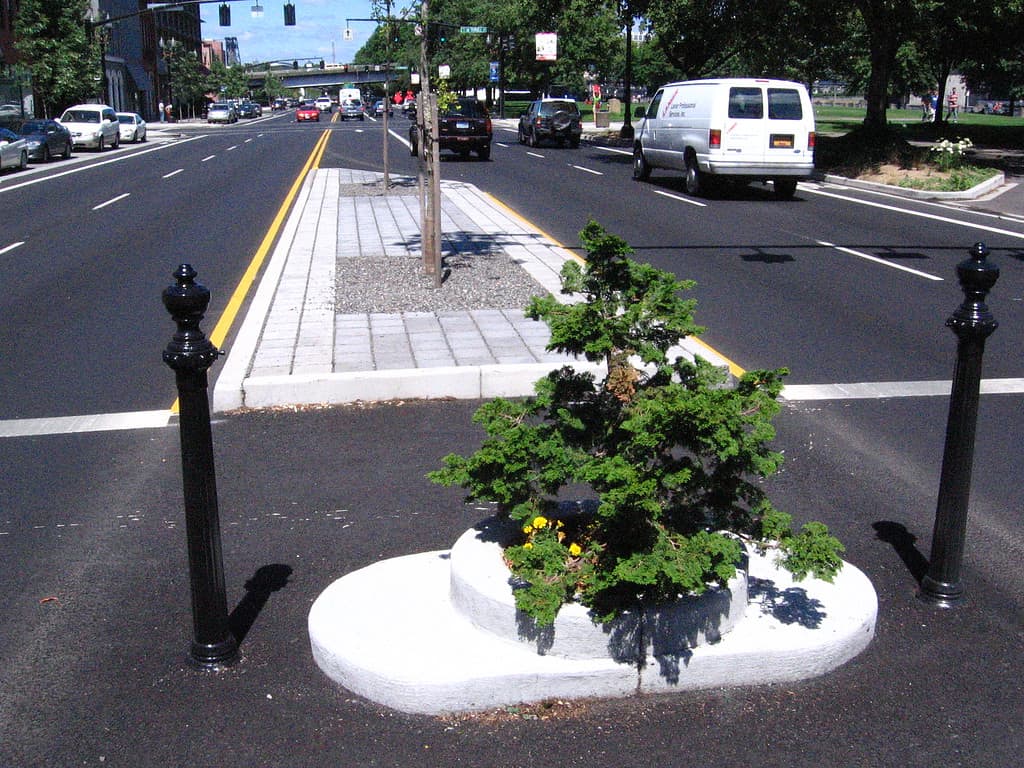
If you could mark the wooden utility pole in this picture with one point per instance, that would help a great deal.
(430, 162)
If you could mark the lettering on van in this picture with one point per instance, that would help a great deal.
(677, 110)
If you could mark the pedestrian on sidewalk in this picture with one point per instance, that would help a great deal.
(160, 109)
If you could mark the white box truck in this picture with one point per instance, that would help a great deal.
(349, 94)
(743, 129)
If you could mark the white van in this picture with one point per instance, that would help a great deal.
(744, 129)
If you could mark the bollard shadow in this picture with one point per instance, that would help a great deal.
(267, 580)
(903, 541)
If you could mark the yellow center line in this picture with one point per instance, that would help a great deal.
(734, 368)
(227, 319)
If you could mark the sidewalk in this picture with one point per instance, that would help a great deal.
(295, 348)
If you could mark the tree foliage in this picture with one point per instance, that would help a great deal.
(668, 448)
(880, 47)
(55, 45)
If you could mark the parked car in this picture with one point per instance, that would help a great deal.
(92, 125)
(462, 128)
(46, 139)
(307, 111)
(133, 127)
(13, 150)
(551, 120)
(221, 112)
(323, 103)
(248, 109)
(352, 109)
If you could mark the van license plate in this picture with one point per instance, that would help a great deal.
(462, 125)
(779, 141)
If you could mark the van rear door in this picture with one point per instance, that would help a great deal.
(743, 136)
(788, 128)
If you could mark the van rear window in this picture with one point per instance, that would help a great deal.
(746, 103)
(784, 104)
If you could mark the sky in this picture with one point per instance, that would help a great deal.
(318, 32)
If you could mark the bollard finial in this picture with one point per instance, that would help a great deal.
(977, 275)
(189, 349)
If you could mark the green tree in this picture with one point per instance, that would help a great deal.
(187, 79)
(55, 46)
(671, 453)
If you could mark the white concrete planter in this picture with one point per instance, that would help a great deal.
(438, 632)
(481, 590)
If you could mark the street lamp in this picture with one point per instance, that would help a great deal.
(169, 47)
(627, 132)
(99, 31)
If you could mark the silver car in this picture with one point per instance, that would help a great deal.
(221, 112)
(13, 150)
(352, 109)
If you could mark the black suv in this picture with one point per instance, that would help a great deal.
(555, 119)
(462, 128)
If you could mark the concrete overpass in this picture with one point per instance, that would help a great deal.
(331, 77)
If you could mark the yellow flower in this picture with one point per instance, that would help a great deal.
(527, 529)
(528, 545)
(575, 549)
(539, 522)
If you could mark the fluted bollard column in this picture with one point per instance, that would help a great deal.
(190, 354)
(972, 323)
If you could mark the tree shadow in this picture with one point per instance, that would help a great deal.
(903, 541)
(267, 580)
(787, 606)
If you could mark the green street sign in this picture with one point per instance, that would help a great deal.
(473, 30)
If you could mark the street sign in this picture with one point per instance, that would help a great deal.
(473, 30)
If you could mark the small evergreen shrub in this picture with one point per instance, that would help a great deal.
(670, 450)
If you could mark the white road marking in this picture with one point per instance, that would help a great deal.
(111, 201)
(878, 390)
(680, 198)
(101, 422)
(906, 211)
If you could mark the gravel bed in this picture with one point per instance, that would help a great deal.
(476, 280)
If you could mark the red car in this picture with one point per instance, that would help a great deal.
(307, 111)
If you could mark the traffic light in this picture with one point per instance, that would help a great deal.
(295, 65)
(289, 15)
(321, 63)
(225, 15)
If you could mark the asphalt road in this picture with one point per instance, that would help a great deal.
(96, 622)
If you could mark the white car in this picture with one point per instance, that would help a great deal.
(92, 125)
(13, 150)
(133, 127)
(324, 104)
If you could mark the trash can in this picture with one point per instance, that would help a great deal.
(602, 118)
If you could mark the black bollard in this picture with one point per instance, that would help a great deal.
(190, 354)
(972, 323)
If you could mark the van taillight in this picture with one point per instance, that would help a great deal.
(715, 139)
(810, 140)
(487, 124)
